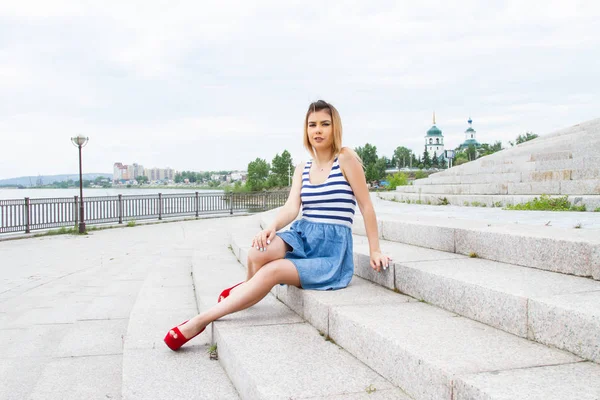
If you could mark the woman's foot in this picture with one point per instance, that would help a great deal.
(181, 334)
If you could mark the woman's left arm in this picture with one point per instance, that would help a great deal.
(353, 171)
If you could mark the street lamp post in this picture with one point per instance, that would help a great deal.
(80, 141)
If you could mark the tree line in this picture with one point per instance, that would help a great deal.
(279, 172)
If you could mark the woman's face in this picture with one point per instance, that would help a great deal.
(320, 130)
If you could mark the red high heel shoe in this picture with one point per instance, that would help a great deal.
(225, 293)
(176, 343)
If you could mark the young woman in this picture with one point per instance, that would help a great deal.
(316, 252)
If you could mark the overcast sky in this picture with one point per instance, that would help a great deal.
(199, 85)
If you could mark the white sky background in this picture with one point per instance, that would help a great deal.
(210, 85)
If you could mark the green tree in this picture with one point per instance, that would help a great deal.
(376, 171)
(258, 171)
(368, 155)
(525, 138)
(281, 166)
(398, 179)
(141, 179)
(401, 157)
(426, 159)
(487, 149)
(471, 152)
(435, 162)
(420, 174)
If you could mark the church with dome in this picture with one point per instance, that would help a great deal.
(434, 141)
(470, 138)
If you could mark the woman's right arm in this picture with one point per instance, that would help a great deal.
(286, 214)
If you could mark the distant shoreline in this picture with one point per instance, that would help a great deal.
(114, 187)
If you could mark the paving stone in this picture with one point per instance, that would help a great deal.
(423, 349)
(291, 361)
(553, 251)
(570, 381)
(536, 188)
(80, 378)
(486, 291)
(19, 375)
(88, 338)
(569, 321)
(422, 234)
(187, 374)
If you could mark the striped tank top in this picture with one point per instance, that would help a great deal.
(331, 202)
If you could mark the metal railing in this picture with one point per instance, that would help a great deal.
(25, 215)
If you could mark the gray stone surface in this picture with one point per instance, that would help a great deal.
(595, 261)
(552, 251)
(570, 322)
(97, 377)
(399, 252)
(550, 188)
(291, 361)
(494, 293)
(423, 349)
(91, 338)
(358, 228)
(316, 305)
(570, 381)
(193, 376)
(19, 375)
(422, 233)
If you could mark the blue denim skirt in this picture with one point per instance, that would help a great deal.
(321, 252)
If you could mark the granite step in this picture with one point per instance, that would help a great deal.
(564, 250)
(548, 307)
(150, 369)
(433, 353)
(269, 352)
(592, 202)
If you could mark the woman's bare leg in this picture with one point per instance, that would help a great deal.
(257, 259)
(245, 295)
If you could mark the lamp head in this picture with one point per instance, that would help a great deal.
(79, 140)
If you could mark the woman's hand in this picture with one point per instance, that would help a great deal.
(379, 260)
(263, 238)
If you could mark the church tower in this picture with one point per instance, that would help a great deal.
(434, 140)
(470, 138)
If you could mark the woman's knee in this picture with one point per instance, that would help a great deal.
(256, 258)
(280, 271)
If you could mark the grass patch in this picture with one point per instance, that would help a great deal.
(212, 352)
(597, 209)
(547, 203)
(443, 201)
(473, 255)
(131, 223)
(577, 226)
(66, 231)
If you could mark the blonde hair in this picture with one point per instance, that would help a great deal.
(336, 123)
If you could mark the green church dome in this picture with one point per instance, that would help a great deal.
(469, 142)
(469, 129)
(434, 131)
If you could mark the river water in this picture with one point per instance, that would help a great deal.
(13, 194)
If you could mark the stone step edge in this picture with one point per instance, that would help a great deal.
(490, 200)
(574, 252)
(532, 324)
(139, 341)
(239, 378)
(577, 253)
(295, 299)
